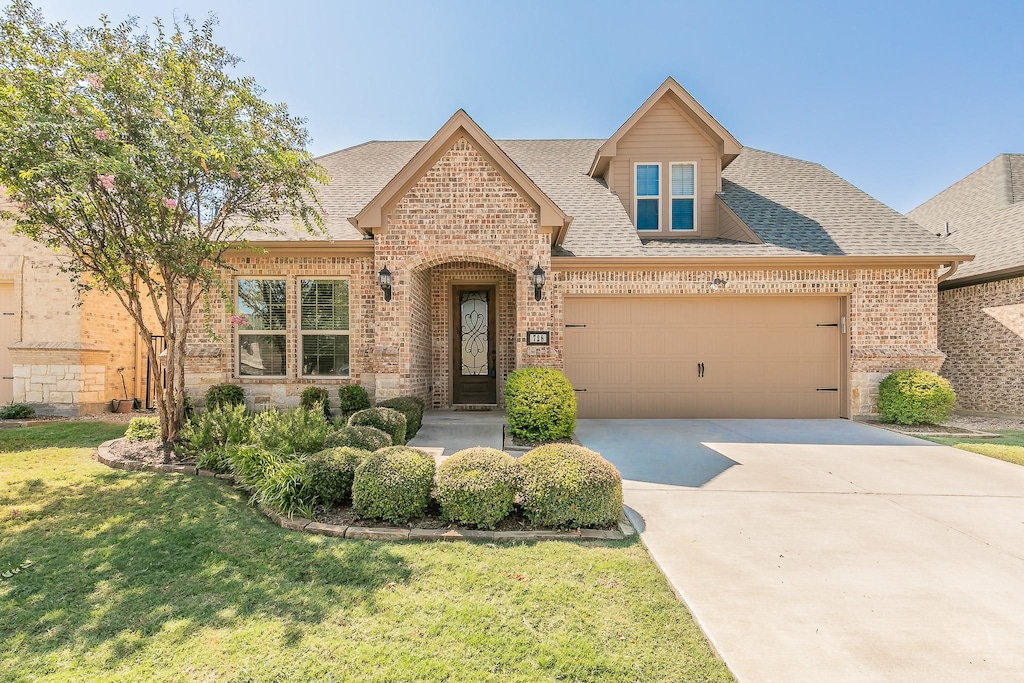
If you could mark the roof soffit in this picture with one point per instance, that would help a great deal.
(552, 218)
(728, 146)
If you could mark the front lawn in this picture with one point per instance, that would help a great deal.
(71, 434)
(1009, 447)
(146, 576)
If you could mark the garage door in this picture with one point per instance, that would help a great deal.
(8, 335)
(662, 357)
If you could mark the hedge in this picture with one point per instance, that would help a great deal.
(565, 485)
(393, 484)
(540, 405)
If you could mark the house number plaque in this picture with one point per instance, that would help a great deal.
(538, 338)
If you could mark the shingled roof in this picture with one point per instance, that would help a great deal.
(797, 208)
(985, 215)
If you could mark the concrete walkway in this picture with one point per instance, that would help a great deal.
(453, 430)
(830, 550)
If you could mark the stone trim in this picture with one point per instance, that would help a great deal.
(624, 530)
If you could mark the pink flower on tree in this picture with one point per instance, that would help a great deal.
(101, 134)
(106, 181)
(94, 82)
(170, 204)
(240, 321)
(235, 174)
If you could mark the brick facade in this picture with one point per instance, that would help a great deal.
(981, 331)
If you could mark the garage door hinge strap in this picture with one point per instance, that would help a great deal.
(827, 389)
(568, 325)
(827, 325)
(579, 389)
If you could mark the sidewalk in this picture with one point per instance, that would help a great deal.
(454, 430)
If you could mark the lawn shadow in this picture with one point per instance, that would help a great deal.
(123, 555)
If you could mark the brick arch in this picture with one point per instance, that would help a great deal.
(464, 254)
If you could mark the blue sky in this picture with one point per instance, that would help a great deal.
(901, 98)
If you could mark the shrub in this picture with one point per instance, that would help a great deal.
(224, 395)
(143, 429)
(213, 430)
(215, 460)
(393, 484)
(352, 398)
(915, 397)
(364, 438)
(410, 406)
(314, 395)
(388, 420)
(565, 485)
(540, 405)
(16, 411)
(276, 480)
(291, 431)
(476, 487)
(329, 473)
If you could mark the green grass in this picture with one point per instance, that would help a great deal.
(60, 435)
(146, 576)
(1008, 447)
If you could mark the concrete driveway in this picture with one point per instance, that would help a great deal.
(831, 550)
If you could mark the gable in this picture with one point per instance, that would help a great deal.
(460, 126)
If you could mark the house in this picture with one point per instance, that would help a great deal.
(981, 305)
(668, 270)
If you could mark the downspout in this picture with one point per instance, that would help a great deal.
(951, 269)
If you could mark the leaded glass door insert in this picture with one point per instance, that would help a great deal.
(474, 357)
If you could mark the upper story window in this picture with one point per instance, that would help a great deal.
(683, 191)
(648, 197)
(261, 322)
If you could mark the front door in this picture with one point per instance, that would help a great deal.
(474, 355)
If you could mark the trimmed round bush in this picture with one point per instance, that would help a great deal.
(224, 395)
(565, 485)
(540, 405)
(911, 397)
(393, 484)
(329, 473)
(143, 429)
(387, 420)
(352, 398)
(476, 487)
(364, 438)
(314, 395)
(410, 406)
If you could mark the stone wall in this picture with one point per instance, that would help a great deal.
(61, 378)
(981, 331)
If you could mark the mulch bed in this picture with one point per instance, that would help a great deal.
(151, 451)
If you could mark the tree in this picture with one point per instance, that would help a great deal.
(142, 161)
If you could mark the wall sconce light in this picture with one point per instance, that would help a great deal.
(719, 282)
(384, 280)
(538, 282)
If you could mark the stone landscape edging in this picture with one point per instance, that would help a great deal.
(624, 528)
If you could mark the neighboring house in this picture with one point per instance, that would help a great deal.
(668, 270)
(981, 305)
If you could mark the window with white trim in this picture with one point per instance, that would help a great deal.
(683, 196)
(260, 324)
(323, 328)
(648, 196)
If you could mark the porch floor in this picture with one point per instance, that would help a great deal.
(453, 430)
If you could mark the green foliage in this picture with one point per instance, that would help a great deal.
(214, 429)
(16, 411)
(410, 406)
(143, 429)
(76, 434)
(312, 396)
(540, 405)
(144, 158)
(352, 398)
(476, 487)
(388, 420)
(364, 438)
(565, 485)
(915, 397)
(291, 431)
(329, 474)
(224, 395)
(215, 460)
(276, 480)
(393, 484)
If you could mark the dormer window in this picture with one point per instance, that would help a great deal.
(684, 193)
(648, 197)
